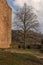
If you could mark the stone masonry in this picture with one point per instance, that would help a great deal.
(5, 24)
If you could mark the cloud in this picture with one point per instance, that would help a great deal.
(20, 2)
(37, 4)
(34, 3)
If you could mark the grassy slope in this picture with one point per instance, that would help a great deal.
(7, 58)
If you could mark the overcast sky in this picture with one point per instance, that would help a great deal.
(37, 5)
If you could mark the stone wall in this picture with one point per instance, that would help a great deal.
(5, 24)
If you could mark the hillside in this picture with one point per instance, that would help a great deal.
(32, 35)
(33, 38)
(8, 58)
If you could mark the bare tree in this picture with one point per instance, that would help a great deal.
(25, 20)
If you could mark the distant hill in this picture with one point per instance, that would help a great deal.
(31, 35)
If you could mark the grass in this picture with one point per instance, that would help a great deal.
(8, 58)
(32, 49)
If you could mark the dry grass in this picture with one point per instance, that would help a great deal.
(8, 58)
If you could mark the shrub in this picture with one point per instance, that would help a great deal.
(28, 47)
(19, 46)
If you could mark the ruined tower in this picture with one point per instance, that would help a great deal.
(5, 24)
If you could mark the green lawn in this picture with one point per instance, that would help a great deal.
(7, 58)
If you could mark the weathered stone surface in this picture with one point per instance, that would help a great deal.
(5, 24)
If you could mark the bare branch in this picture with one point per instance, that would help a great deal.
(26, 19)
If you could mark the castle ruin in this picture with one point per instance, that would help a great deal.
(5, 24)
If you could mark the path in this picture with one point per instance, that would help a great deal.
(37, 54)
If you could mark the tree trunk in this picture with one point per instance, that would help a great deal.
(24, 40)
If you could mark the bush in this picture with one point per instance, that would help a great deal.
(19, 46)
(41, 45)
(28, 47)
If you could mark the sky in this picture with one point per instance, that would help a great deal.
(37, 5)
